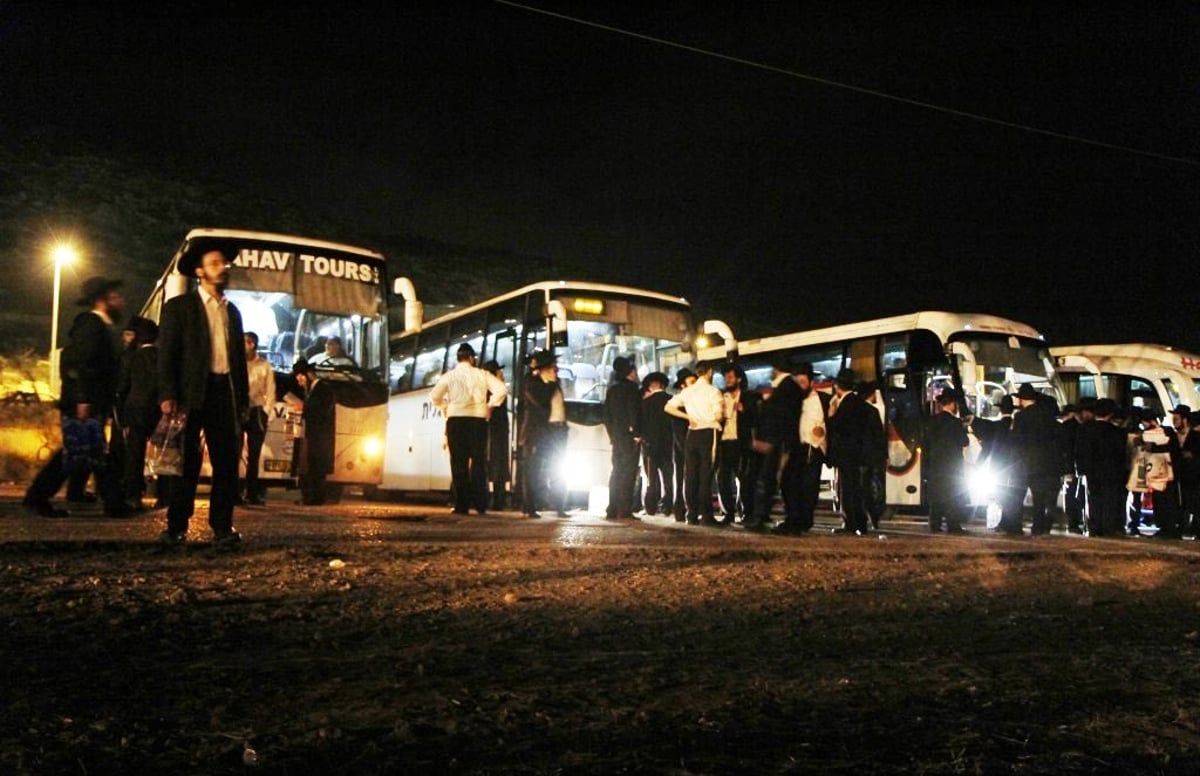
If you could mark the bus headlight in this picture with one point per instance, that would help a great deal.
(982, 484)
(576, 471)
(372, 447)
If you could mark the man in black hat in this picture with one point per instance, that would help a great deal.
(467, 394)
(541, 435)
(1100, 462)
(498, 444)
(1037, 446)
(202, 371)
(317, 451)
(850, 428)
(138, 394)
(657, 444)
(623, 421)
(90, 370)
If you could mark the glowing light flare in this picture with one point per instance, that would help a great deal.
(64, 254)
(372, 447)
(589, 306)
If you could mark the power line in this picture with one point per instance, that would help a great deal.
(859, 89)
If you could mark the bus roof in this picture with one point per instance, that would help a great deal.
(941, 323)
(1126, 358)
(551, 285)
(242, 234)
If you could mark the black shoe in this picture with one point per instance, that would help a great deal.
(532, 515)
(82, 498)
(43, 509)
(172, 538)
(786, 529)
(955, 529)
(227, 538)
(255, 501)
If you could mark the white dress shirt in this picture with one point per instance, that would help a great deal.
(217, 312)
(703, 403)
(812, 422)
(262, 383)
(463, 392)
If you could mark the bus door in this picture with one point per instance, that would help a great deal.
(502, 348)
(902, 400)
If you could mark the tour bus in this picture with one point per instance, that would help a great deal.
(295, 293)
(586, 325)
(911, 359)
(1134, 375)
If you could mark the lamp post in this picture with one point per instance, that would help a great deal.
(62, 254)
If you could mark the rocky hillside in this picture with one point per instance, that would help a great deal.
(128, 219)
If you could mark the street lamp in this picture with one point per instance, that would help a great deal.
(63, 253)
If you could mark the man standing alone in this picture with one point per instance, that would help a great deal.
(202, 371)
(467, 394)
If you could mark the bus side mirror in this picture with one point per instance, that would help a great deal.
(556, 320)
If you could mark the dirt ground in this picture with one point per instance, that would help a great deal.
(407, 642)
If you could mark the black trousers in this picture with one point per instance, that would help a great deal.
(1106, 507)
(467, 439)
(1044, 488)
(256, 434)
(622, 480)
(133, 483)
(659, 472)
(222, 435)
(679, 456)
(735, 483)
(947, 499)
(1074, 501)
(801, 486)
(853, 485)
(766, 484)
(699, 454)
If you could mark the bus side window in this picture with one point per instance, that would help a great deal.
(431, 357)
(400, 369)
(860, 356)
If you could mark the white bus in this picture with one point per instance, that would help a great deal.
(587, 325)
(1134, 375)
(911, 359)
(295, 293)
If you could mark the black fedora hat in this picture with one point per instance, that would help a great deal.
(194, 251)
(94, 288)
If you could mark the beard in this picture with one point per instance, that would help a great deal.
(116, 314)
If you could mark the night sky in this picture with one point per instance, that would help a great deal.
(797, 203)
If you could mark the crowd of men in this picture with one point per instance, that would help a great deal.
(750, 447)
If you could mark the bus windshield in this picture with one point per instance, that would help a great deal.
(346, 343)
(650, 335)
(997, 365)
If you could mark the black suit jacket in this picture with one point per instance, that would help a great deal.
(90, 368)
(185, 354)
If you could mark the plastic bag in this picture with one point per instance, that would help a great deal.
(84, 448)
(164, 449)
